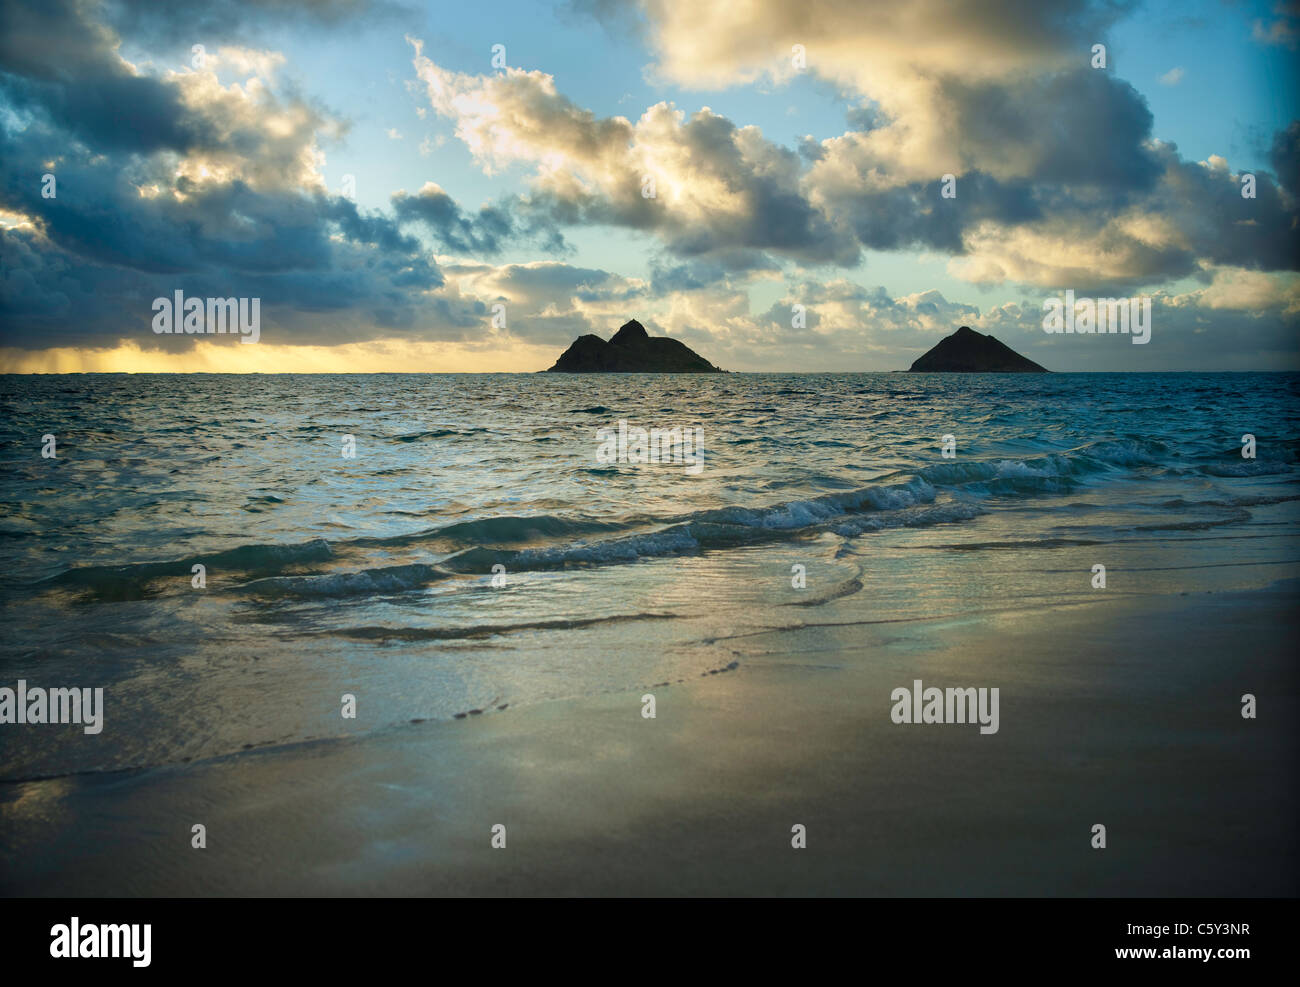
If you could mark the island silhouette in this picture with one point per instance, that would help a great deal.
(969, 352)
(631, 351)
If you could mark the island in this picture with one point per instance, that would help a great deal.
(631, 351)
(969, 352)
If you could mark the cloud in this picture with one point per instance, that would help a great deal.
(1059, 176)
(699, 182)
(730, 268)
(1173, 76)
(620, 18)
(1241, 318)
(486, 232)
(227, 200)
(205, 180)
(944, 79)
(553, 303)
(1283, 30)
(210, 22)
(870, 45)
(1254, 292)
(1284, 155)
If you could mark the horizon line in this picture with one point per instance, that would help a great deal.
(601, 373)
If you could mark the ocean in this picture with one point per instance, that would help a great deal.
(478, 553)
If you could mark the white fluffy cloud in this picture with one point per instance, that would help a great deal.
(698, 181)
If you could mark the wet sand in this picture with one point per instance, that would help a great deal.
(1124, 711)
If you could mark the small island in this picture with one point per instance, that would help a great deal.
(969, 352)
(631, 351)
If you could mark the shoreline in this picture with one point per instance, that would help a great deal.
(1123, 712)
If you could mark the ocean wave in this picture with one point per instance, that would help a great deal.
(131, 582)
(922, 517)
(1251, 467)
(802, 513)
(501, 530)
(1057, 472)
(1236, 516)
(1238, 500)
(519, 529)
(943, 492)
(382, 633)
(368, 582)
(887, 505)
(1015, 545)
(1124, 452)
(717, 528)
(435, 433)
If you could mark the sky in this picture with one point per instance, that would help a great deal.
(817, 185)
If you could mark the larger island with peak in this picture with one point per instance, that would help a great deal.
(631, 351)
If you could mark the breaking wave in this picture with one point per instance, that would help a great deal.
(947, 492)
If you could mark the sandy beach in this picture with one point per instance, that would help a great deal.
(1122, 712)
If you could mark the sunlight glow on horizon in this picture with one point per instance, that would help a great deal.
(232, 357)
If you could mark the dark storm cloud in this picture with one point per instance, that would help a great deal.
(186, 22)
(1082, 127)
(59, 65)
(1207, 206)
(99, 214)
(1089, 163)
(132, 219)
(105, 251)
(1075, 142)
(488, 231)
(1284, 155)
